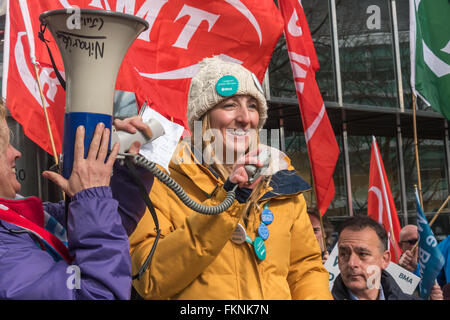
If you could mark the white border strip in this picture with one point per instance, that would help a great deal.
(28, 28)
(6, 46)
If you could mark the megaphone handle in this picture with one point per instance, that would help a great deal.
(71, 122)
(126, 139)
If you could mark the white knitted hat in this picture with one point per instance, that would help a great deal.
(203, 94)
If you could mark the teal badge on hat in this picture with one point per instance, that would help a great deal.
(227, 86)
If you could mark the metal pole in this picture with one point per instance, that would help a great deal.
(282, 137)
(401, 167)
(401, 103)
(416, 151)
(281, 125)
(348, 181)
(338, 81)
(335, 46)
(396, 48)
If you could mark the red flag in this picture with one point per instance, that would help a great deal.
(323, 149)
(184, 32)
(20, 89)
(381, 206)
(161, 62)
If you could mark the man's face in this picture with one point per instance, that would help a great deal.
(408, 237)
(315, 222)
(9, 185)
(360, 256)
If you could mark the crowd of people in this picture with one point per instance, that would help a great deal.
(265, 245)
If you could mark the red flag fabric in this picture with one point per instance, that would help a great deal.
(20, 89)
(323, 149)
(381, 206)
(160, 63)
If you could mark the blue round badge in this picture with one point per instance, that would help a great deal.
(260, 248)
(263, 231)
(267, 216)
(227, 86)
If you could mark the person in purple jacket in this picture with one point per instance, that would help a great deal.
(84, 254)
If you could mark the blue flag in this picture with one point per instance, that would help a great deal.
(444, 276)
(431, 259)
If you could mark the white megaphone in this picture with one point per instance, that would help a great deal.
(92, 51)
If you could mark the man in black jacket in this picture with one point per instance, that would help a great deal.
(363, 256)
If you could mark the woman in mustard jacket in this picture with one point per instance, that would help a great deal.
(263, 246)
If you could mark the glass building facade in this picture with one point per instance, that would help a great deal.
(363, 51)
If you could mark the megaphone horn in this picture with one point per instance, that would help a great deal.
(92, 52)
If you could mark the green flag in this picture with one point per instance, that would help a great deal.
(430, 52)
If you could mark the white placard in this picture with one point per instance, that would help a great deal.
(407, 281)
(332, 266)
(161, 149)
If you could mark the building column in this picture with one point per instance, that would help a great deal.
(340, 100)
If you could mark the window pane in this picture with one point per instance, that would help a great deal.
(338, 206)
(318, 17)
(366, 58)
(280, 73)
(432, 173)
(295, 145)
(296, 149)
(280, 76)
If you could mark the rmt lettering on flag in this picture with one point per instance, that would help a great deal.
(159, 65)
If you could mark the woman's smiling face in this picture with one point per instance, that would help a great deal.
(9, 185)
(236, 119)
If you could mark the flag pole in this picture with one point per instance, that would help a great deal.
(321, 222)
(439, 211)
(55, 154)
(416, 150)
(29, 31)
(323, 234)
(394, 244)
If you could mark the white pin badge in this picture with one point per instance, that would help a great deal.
(239, 234)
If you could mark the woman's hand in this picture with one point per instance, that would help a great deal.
(92, 171)
(132, 125)
(239, 174)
